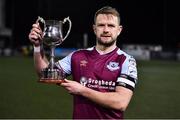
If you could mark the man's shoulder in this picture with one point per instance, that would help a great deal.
(121, 52)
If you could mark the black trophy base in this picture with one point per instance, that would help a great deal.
(53, 76)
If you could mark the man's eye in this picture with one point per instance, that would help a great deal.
(100, 25)
(111, 25)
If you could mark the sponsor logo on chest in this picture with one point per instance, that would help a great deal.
(100, 84)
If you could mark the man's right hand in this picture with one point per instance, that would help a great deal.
(35, 35)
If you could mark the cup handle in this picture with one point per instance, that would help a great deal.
(70, 25)
(41, 22)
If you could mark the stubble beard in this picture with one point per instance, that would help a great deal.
(106, 44)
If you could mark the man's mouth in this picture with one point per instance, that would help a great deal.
(105, 35)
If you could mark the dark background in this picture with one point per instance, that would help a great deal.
(150, 22)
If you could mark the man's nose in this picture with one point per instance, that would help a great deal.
(106, 28)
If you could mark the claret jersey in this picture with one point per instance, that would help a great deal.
(101, 73)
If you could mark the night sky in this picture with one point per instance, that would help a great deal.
(144, 21)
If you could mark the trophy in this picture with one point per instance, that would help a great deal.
(52, 37)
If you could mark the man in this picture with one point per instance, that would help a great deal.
(104, 76)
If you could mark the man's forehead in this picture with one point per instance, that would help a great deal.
(106, 16)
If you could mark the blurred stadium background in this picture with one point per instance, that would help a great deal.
(150, 34)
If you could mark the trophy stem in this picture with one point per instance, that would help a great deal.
(51, 64)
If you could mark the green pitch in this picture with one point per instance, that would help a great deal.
(157, 94)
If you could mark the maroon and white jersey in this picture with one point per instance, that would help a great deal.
(101, 73)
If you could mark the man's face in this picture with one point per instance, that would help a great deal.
(107, 29)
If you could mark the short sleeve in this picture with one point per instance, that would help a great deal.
(65, 64)
(128, 75)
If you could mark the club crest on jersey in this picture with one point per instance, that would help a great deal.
(113, 66)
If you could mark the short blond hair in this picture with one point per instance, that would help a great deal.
(107, 10)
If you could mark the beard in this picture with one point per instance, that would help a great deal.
(106, 43)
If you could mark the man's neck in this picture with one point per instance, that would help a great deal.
(104, 50)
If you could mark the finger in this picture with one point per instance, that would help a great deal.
(36, 25)
(36, 32)
(59, 84)
(34, 40)
(64, 84)
(34, 37)
(39, 31)
(67, 81)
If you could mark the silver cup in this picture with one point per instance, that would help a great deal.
(52, 37)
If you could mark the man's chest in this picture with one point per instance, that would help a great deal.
(98, 67)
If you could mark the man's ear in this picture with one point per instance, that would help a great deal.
(120, 29)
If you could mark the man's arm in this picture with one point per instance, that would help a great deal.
(35, 37)
(118, 100)
(40, 61)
